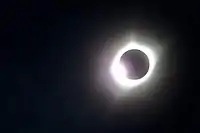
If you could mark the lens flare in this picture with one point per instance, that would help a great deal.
(119, 73)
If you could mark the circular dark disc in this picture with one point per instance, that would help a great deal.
(136, 63)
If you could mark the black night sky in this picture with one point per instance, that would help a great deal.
(49, 53)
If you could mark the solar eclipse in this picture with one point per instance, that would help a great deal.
(131, 74)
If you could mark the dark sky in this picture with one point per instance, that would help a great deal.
(48, 56)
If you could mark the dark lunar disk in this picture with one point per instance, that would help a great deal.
(136, 63)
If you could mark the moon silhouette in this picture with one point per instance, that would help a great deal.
(136, 63)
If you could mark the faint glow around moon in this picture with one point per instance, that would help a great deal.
(119, 72)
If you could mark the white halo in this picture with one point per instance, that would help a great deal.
(119, 72)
